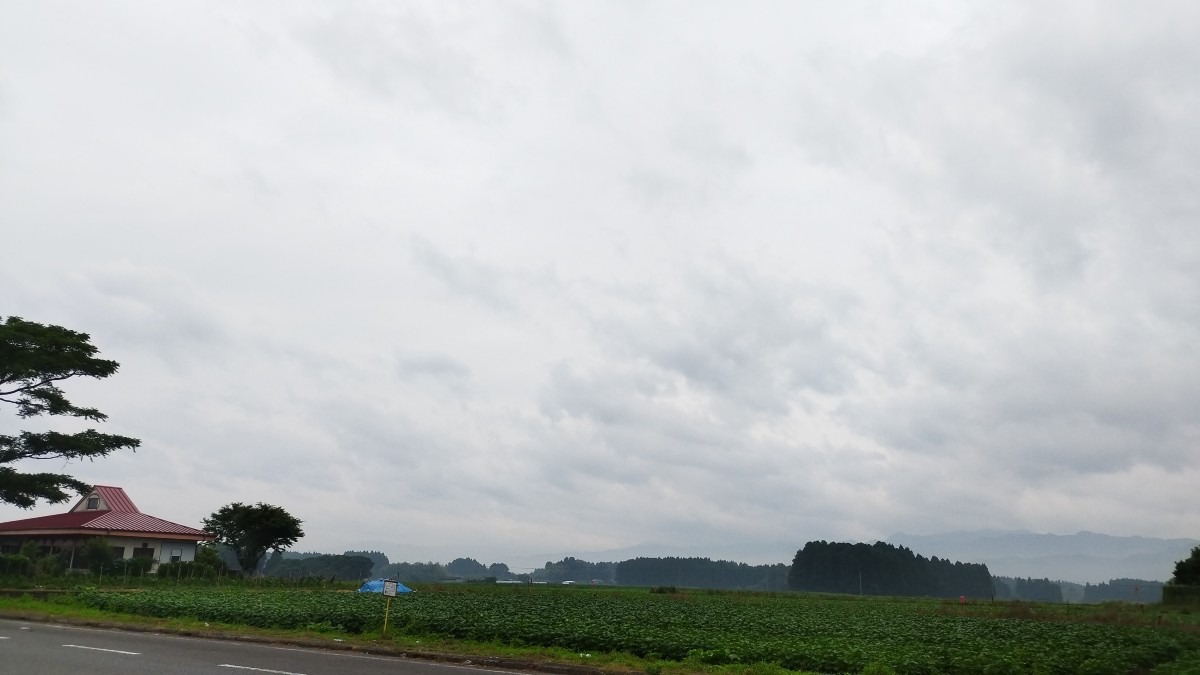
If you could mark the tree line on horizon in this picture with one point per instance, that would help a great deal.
(1028, 589)
(884, 569)
(825, 567)
(879, 569)
(682, 572)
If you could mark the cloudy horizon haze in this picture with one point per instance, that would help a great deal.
(493, 279)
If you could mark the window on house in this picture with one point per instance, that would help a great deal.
(176, 554)
(118, 552)
(93, 503)
(143, 552)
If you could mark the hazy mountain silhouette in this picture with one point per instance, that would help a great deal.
(1084, 557)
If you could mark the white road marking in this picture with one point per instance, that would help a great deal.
(258, 670)
(3, 637)
(364, 657)
(101, 649)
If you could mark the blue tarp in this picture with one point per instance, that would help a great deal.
(376, 586)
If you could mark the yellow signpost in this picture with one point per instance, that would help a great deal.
(389, 592)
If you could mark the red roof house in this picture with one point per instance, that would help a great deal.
(106, 512)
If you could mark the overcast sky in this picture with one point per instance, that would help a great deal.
(495, 279)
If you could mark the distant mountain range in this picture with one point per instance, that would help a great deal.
(1084, 557)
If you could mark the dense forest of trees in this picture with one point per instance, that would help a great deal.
(466, 568)
(351, 565)
(340, 567)
(701, 573)
(470, 569)
(1031, 590)
(414, 572)
(884, 569)
(1124, 590)
(820, 566)
(379, 560)
(578, 571)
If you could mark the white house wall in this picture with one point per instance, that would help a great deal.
(163, 548)
(187, 551)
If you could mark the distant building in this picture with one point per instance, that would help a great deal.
(109, 513)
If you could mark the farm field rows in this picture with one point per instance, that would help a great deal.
(799, 632)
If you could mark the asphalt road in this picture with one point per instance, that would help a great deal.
(28, 648)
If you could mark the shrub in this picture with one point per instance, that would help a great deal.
(16, 564)
(1176, 594)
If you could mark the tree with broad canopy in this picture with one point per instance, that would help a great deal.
(33, 359)
(251, 531)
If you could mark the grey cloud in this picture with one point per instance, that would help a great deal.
(1114, 88)
(130, 308)
(1046, 402)
(433, 366)
(595, 275)
(700, 168)
(400, 53)
(628, 401)
(740, 334)
(432, 58)
(469, 278)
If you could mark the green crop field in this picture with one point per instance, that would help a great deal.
(826, 634)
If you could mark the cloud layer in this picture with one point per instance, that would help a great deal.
(497, 279)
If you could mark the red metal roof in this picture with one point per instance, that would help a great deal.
(122, 516)
(116, 498)
(140, 522)
(60, 520)
(111, 499)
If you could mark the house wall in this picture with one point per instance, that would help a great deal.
(163, 549)
(129, 544)
(186, 549)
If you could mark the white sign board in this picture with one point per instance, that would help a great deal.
(389, 588)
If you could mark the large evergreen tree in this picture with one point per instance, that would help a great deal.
(34, 358)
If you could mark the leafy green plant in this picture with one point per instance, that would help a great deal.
(826, 634)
